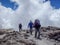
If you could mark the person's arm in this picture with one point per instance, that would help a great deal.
(40, 25)
(21, 25)
(33, 25)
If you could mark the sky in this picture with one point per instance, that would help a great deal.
(9, 4)
(13, 12)
(14, 6)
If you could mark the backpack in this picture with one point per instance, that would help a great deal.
(37, 24)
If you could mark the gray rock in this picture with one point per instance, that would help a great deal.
(15, 38)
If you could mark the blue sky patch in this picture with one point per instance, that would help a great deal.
(55, 3)
(9, 4)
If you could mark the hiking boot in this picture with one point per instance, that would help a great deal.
(39, 38)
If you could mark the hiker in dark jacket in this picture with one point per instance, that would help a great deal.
(20, 27)
(37, 26)
(30, 25)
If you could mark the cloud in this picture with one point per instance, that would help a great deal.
(29, 10)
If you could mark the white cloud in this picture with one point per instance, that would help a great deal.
(29, 10)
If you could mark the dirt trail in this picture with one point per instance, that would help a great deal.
(44, 41)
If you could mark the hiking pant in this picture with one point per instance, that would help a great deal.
(37, 33)
(31, 31)
(20, 29)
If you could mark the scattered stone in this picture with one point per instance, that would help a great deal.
(15, 38)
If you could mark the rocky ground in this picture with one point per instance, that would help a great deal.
(11, 37)
(15, 38)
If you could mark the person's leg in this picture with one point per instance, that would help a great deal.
(35, 33)
(20, 29)
(38, 33)
(31, 31)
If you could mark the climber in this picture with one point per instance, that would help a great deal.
(20, 27)
(37, 26)
(30, 25)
